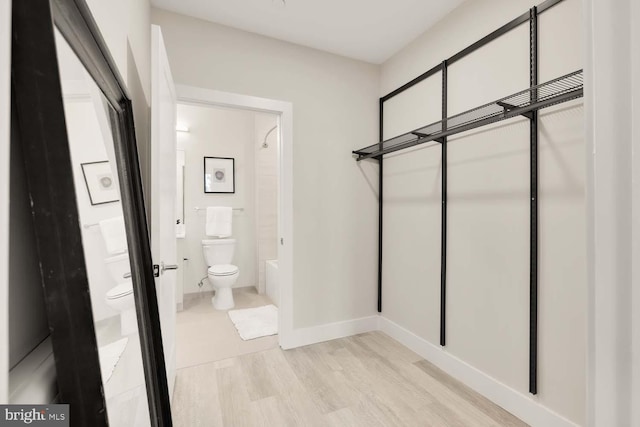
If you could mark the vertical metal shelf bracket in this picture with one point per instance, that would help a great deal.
(443, 228)
(533, 230)
(380, 183)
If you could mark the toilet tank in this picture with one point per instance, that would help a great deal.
(118, 266)
(218, 251)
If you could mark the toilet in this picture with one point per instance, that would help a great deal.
(218, 253)
(120, 297)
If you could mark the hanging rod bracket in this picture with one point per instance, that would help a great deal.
(509, 107)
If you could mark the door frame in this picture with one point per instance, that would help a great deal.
(199, 96)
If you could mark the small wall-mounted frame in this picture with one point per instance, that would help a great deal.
(219, 175)
(101, 186)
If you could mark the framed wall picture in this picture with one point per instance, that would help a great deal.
(219, 175)
(100, 183)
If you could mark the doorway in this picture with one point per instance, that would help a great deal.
(253, 135)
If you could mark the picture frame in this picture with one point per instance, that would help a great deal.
(101, 186)
(219, 175)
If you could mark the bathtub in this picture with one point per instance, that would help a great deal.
(271, 281)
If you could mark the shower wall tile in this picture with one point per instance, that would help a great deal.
(266, 161)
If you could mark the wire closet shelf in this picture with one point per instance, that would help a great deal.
(556, 91)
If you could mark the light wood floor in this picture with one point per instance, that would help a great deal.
(365, 380)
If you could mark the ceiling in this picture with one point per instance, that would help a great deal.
(369, 30)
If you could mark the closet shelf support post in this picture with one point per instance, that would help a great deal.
(533, 230)
(380, 185)
(443, 220)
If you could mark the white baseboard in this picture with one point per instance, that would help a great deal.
(330, 331)
(521, 405)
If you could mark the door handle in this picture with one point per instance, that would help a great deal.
(126, 275)
(164, 267)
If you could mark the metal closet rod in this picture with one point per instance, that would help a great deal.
(523, 103)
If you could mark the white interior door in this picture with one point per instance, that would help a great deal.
(163, 195)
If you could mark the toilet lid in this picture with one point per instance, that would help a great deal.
(123, 289)
(223, 270)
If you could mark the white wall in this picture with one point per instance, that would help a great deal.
(28, 323)
(488, 209)
(126, 23)
(612, 97)
(266, 168)
(335, 111)
(634, 55)
(180, 166)
(5, 112)
(218, 132)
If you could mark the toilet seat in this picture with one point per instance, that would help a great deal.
(222, 270)
(122, 290)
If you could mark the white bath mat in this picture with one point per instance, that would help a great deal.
(255, 322)
(109, 356)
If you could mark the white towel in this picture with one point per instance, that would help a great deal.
(114, 235)
(219, 221)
